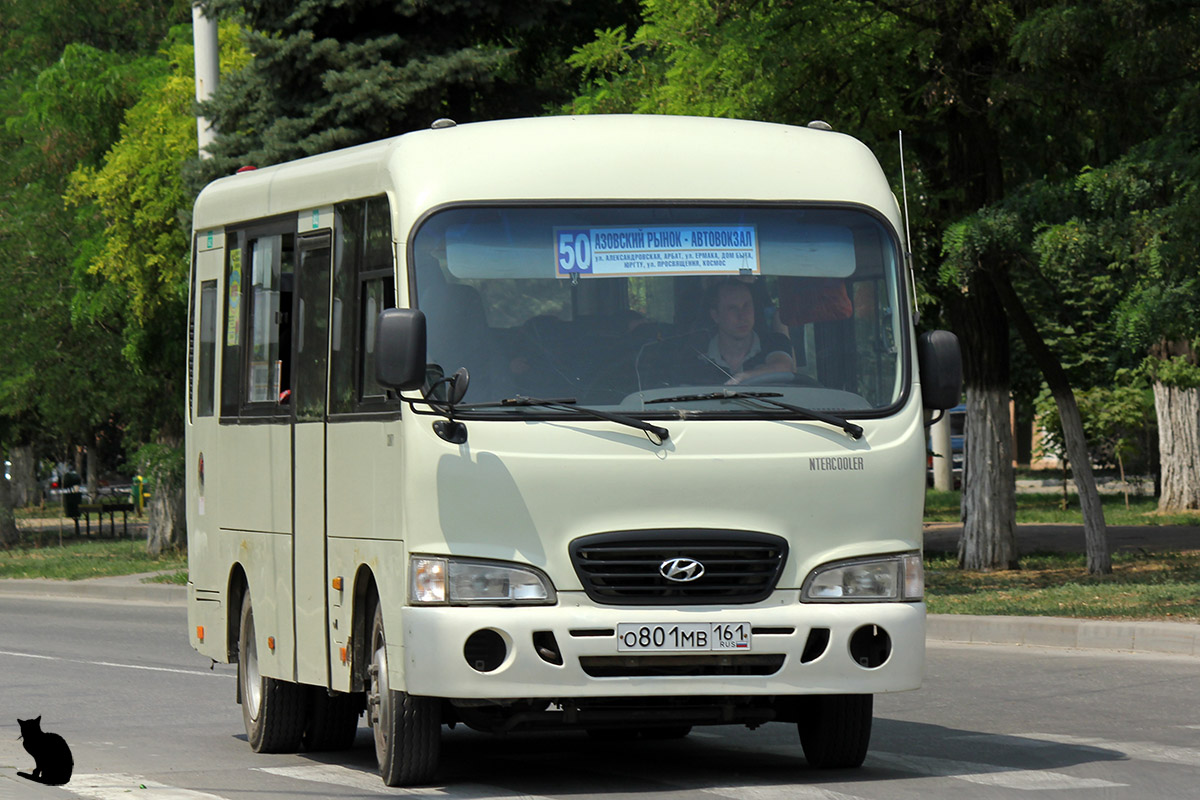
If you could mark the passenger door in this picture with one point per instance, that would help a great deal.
(309, 457)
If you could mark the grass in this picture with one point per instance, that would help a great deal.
(1156, 586)
(90, 558)
(177, 578)
(1047, 509)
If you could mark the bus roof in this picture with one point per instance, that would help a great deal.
(617, 157)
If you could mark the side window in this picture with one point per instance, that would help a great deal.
(312, 327)
(363, 285)
(231, 333)
(349, 226)
(207, 340)
(270, 295)
(257, 332)
(377, 294)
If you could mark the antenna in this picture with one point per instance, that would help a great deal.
(908, 255)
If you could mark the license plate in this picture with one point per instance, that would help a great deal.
(675, 637)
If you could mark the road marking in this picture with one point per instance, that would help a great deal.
(209, 673)
(989, 774)
(10, 788)
(345, 776)
(120, 786)
(1141, 751)
(782, 791)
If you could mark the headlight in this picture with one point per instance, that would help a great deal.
(895, 578)
(453, 581)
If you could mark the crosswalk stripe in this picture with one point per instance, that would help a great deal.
(345, 776)
(119, 786)
(1142, 751)
(989, 774)
(786, 791)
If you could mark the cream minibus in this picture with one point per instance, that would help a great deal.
(613, 424)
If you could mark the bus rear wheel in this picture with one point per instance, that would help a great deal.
(274, 711)
(407, 729)
(835, 730)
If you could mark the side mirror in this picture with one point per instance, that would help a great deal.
(940, 361)
(400, 349)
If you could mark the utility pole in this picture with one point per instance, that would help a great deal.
(208, 49)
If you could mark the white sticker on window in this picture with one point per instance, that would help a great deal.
(656, 250)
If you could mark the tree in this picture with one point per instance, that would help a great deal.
(61, 377)
(68, 74)
(137, 203)
(333, 73)
(1113, 418)
(870, 68)
(1003, 94)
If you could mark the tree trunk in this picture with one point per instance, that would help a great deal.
(1178, 446)
(8, 520)
(989, 505)
(93, 470)
(24, 487)
(1095, 536)
(167, 521)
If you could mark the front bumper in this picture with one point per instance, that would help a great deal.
(584, 635)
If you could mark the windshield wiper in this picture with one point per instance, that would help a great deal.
(569, 404)
(855, 431)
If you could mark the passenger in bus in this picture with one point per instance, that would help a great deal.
(736, 353)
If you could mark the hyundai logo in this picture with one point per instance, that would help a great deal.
(681, 570)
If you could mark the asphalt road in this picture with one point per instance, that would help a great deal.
(141, 709)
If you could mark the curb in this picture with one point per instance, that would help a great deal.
(1173, 638)
(121, 589)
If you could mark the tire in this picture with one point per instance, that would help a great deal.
(274, 711)
(835, 730)
(407, 729)
(332, 720)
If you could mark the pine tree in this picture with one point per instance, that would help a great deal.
(333, 73)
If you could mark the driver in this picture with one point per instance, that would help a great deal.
(735, 353)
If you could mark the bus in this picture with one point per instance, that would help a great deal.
(610, 424)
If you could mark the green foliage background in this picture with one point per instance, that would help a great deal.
(1054, 146)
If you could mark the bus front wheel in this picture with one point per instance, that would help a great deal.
(407, 729)
(274, 711)
(835, 730)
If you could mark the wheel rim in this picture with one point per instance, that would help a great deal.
(379, 697)
(251, 677)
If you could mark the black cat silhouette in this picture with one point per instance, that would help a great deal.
(51, 756)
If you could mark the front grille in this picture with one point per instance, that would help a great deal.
(680, 666)
(626, 568)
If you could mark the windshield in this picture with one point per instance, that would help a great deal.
(650, 309)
